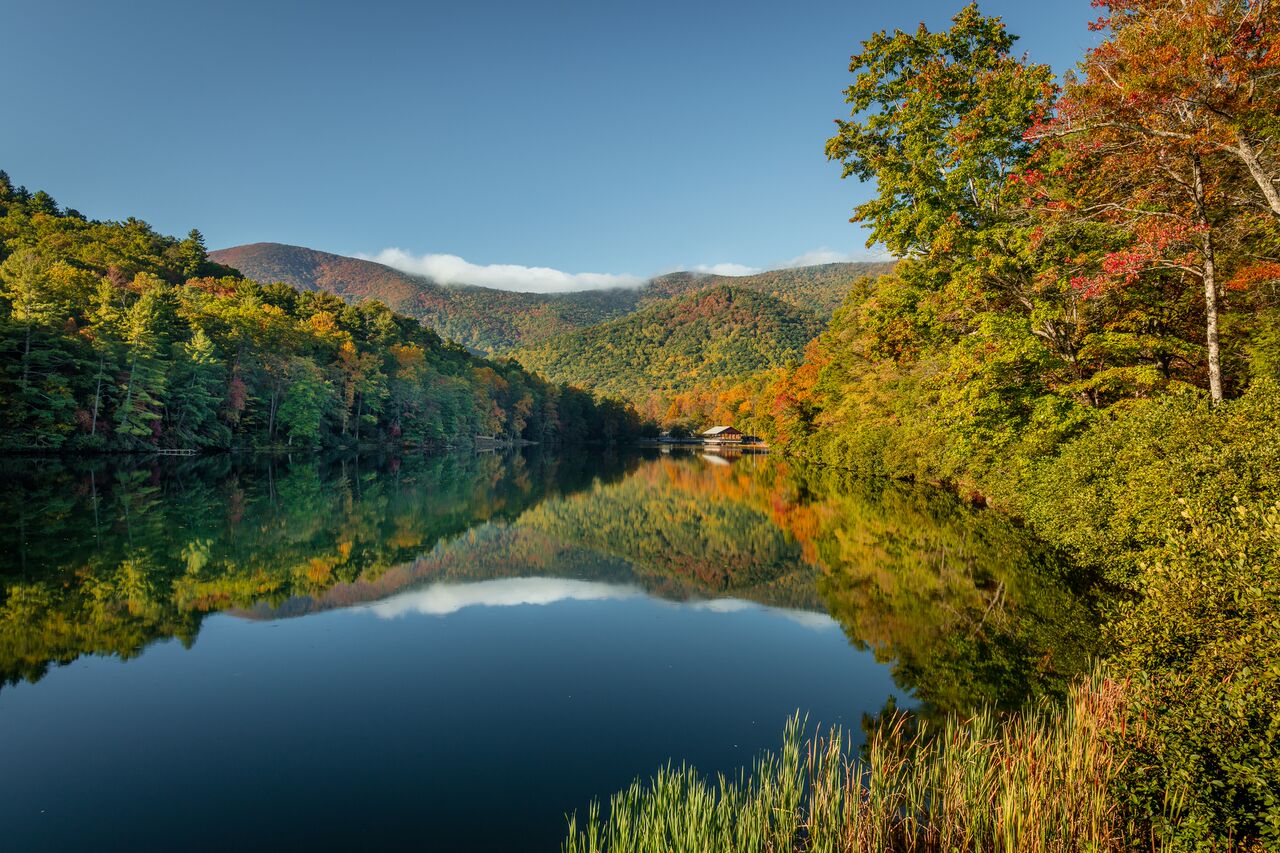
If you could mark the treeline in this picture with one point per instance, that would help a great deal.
(114, 337)
(703, 340)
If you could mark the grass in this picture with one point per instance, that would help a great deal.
(1040, 781)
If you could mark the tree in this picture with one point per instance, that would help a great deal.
(192, 254)
(196, 394)
(1161, 132)
(1204, 73)
(937, 122)
(150, 326)
(306, 401)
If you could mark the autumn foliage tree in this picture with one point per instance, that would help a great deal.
(1167, 134)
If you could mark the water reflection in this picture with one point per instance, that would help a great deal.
(106, 558)
(443, 599)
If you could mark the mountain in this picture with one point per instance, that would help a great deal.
(499, 321)
(819, 288)
(484, 319)
(723, 332)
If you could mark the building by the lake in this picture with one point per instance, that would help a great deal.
(722, 435)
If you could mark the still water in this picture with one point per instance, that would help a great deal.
(453, 653)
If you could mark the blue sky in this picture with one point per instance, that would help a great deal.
(615, 138)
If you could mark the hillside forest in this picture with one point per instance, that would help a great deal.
(497, 322)
(114, 337)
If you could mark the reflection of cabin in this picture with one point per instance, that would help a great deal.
(722, 435)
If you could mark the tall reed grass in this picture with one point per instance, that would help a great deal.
(1039, 781)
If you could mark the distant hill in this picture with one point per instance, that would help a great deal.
(820, 288)
(500, 321)
(676, 344)
(484, 319)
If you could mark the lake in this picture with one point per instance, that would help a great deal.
(454, 652)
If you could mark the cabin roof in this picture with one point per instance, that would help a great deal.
(722, 430)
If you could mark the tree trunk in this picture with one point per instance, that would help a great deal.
(1211, 322)
(26, 358)
(1260, 176)
(128, 394)
(1210, 279)
(97, 396)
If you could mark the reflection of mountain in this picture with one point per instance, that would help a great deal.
(443, 599)
(106, 559)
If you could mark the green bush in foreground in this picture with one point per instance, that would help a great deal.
(1204, 644)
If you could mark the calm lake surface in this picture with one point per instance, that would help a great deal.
(452, 653)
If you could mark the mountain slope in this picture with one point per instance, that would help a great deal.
(678, 344)
(481, 318)
(499, 321)
(820, 288)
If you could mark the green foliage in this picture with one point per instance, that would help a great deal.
(1205, 641)
(1114, 494)
(672, 346)
(113, 337)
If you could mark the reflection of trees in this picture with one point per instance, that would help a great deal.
(108, 558)
(683, 523)
(969, 607)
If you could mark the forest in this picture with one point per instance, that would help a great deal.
(701, 340)
(497, 322)
(1082, 333)
(116, 338)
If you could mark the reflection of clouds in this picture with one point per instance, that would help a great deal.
(804, 618)
(442, 599)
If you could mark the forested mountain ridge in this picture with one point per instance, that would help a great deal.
(114, 337)
(820, 288)
(499, 321)
(722, 333)
(484, 319)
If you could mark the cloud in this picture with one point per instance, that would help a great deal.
(811, 258)
(819, 256)
(725, 269)
(830, 256)
(451, 269)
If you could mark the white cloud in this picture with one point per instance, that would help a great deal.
(819, 256)
(725, 269)
(451, 269)
(811, 258)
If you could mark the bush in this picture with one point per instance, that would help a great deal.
(1203, 645)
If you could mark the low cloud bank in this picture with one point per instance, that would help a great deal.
(451, 269)
(812, 258)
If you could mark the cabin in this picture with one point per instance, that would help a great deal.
(722, 435)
